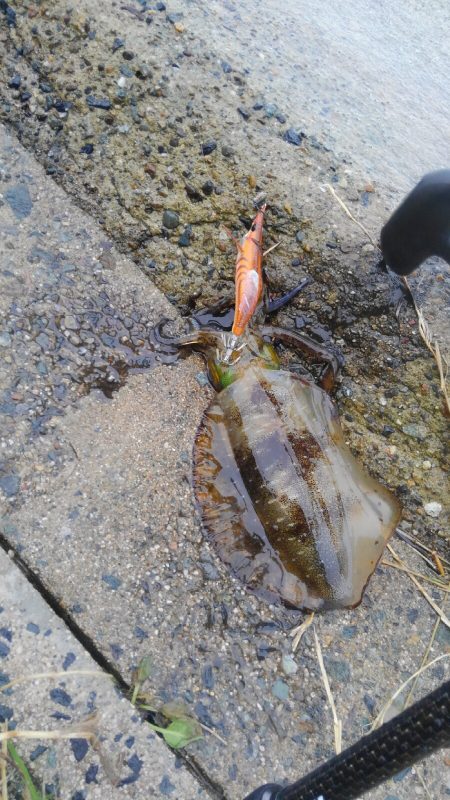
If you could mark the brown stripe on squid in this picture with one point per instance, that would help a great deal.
(285, 503)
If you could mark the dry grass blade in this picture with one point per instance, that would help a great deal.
(444, 587)
(85, 729)
(425, 655)
(349, 214)
(76, 733)
(418, 772)
(427, 597)
(266, 252)
(213, 733)
(433, 347)
(380, 718)
(38, 675)
(435, 561)
(4, 776)
(337, 724)
(418, 546)
(299, 630)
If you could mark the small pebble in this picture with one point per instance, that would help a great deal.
(166, 786)
(118, 42)
(4, 650)
(79, 748)
(349, 631)
(33, 628)
(170, 219)
(416, 431)
(208, 677)
(185, 238)
(208, 188)
(202, 378)
(10, 484)
(209, 147)
(210, 572)
(292, 137)
(227, 151)
(288, 665)
(338, 670)
(98, 102)
(38, 751)
(387, 431)
(61, 697)
(91, 774)
(369, 703)
(6, 713)
(270, 110)
(19, 199)
(280, 689)
(112, 581)
(69, 660)
(70, 323)
(5, 339)
(432, 509)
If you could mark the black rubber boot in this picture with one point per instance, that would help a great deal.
(420, 227)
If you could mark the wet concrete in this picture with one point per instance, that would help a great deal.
(97, 446)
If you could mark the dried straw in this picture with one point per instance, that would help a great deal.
(433, 347)
(380, 718)
(349, 214)
(427, 597)
(426, 654)
(299, 630)
(38, 675)
(424, 328)
(337, 724)
(444, 587)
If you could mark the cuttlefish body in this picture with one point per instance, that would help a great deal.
(284, 502)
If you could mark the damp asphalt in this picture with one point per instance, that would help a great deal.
(114, 195)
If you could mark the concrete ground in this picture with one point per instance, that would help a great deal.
(124, 758)
(97, 503)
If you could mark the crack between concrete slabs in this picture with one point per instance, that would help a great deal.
(214, 789)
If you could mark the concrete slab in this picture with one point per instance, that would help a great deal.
(116, 102)
(98, 504)
(128, 759)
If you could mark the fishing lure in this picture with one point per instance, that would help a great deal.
(284, 502)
